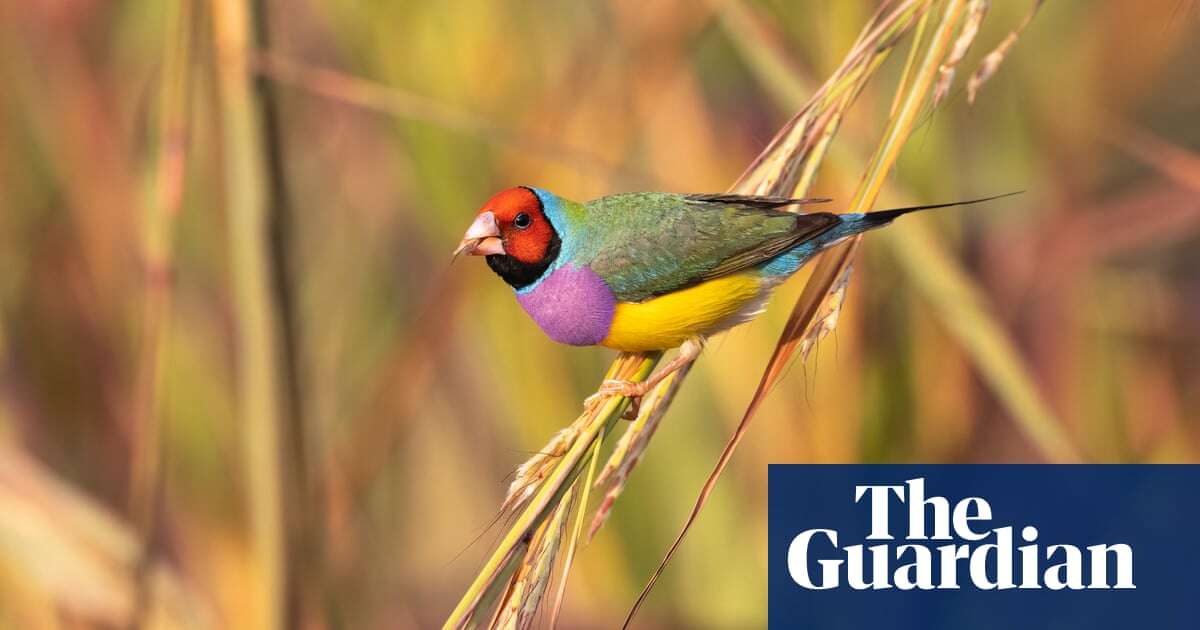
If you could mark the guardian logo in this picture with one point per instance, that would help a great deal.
(948, 546)
(982, 546)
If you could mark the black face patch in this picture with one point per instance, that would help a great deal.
(522, 274)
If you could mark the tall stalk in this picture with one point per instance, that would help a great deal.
(258, 355)
(157, 258)
(303, 498)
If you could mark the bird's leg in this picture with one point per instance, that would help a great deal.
(688, 352)
(632, 411)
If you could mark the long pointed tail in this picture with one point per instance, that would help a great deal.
(880, 218)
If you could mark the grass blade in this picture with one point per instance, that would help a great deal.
(594, 422)
(955, 296)
(962, 309)
(258, 369)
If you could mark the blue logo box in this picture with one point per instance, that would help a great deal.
(984, 546)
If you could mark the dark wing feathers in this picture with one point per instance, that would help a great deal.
(808, 227)
(750, 201)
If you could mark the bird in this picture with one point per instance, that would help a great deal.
(652, 271)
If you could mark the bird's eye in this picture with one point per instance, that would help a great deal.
(522, 221)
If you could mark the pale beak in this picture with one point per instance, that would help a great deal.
(482, 238)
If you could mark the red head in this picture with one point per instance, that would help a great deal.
(511, 223)
(512, 230)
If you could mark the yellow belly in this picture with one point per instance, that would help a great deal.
(668, 320)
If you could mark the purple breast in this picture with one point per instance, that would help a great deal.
(572, 305)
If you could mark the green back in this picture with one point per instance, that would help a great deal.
(648, 244)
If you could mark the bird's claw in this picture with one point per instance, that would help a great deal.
(627, 389)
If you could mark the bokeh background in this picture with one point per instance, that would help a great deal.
(132, 482)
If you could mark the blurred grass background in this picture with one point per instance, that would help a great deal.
(411, 389)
